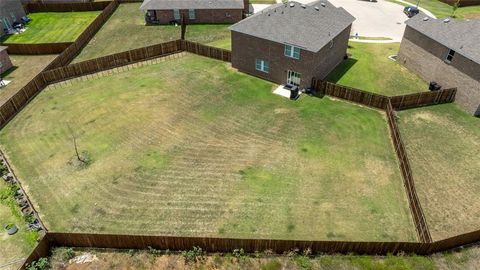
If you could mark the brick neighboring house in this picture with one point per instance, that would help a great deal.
(195, 11)
(447, 52)
(10, 11)
(5, 63)
(292, 43)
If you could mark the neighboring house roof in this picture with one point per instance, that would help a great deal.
(461, 36)
(191, 4)
(310, 27)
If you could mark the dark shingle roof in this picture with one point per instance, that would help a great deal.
(193, 4)
(461, 36)
(310, 27)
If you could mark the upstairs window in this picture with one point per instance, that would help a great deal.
(191, 14)
(292, 51)
(262, 65)
(176, 14)
(450, 55)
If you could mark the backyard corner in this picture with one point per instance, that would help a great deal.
(443, 144)
(202, 146)
(25, 68)
(128, 21)
(369, 68)
(53, 27)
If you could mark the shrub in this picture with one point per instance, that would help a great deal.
(238, 253)
(3, 170)
(153, 251)
(41, 264)
(193, 255)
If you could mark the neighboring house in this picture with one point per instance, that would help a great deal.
(292, 43)
(445, 51)
(462, 3)
(10, 11)
(5, 63)
(194, 11)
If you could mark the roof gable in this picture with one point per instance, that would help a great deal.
(310, 27)
(461, 36)
(191, 4)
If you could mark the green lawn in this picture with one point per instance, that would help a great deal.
(25, 68)
(466, 258)
(15, 246)
(443, 144)
(127, 28)
(370, 69)
(192, 147)
(52, 27)
(442, 10)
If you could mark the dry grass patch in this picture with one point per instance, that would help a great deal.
(191, 147)
(443, 144)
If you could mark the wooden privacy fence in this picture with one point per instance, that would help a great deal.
(350, 94)
(380, 101)
(38, 48)
(111, 61)
(65, 6)
(132, 56)
(208, 51)
(414, 203)
(423, 99)
(174, 243)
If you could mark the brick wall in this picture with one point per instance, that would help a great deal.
(202, 15)
(5, 63)
(246, 48)
(426, 57)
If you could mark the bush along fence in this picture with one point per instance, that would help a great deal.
(173, 243)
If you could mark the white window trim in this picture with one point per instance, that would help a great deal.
(292, 51)
(262, 66)
(452, 55)
(175, 13)
(191, 12)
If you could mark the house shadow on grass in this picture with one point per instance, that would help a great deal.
(338, 72)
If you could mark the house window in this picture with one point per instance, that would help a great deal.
(292, 51)
(176, 14)
(450, 55)
(191, 14)
(262, 65)
(227, 15)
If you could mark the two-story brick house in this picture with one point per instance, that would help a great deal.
(194, 11)
(445, 51)
(10, 11)
(292, 43)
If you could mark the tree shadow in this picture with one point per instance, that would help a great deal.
(338, 72)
